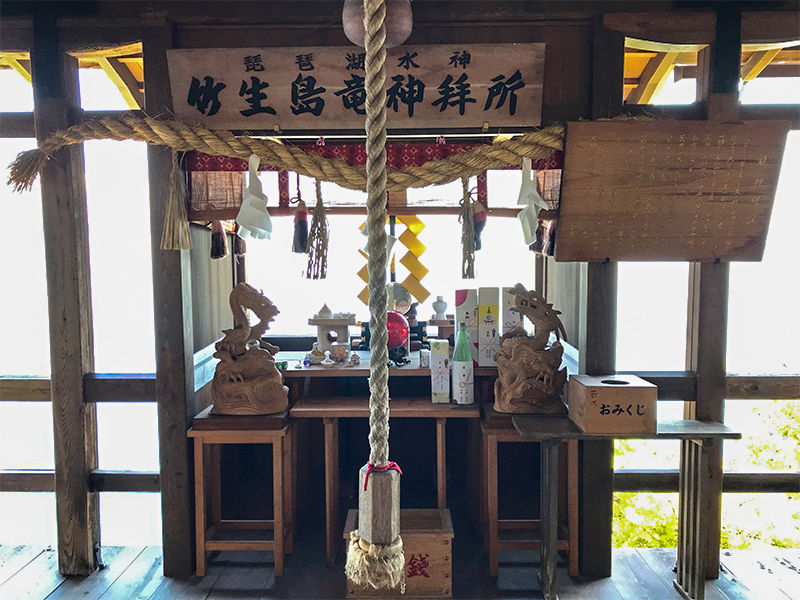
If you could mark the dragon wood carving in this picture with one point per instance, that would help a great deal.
(246, 380)
(529, 379)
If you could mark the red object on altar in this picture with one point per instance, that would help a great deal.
(398, 329)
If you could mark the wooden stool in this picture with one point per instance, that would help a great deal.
(497, 427)
(214, 430)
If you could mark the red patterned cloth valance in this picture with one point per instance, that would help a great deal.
(397, 156)
(215, 183)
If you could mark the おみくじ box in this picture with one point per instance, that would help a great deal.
(612, 404)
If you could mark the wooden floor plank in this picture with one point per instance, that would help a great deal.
(245, 575)
(135, 574)
(140, 580)
(662, 561)
(14, 558)
(191, 588)
(761, 574)
(635, 578)
(36, 580)
(116, 559)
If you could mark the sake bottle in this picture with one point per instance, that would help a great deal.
(463, 383)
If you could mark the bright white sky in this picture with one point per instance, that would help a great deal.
(764, 324)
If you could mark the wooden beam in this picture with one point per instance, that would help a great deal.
(666, 480)
(653, 78)
(689, 27)
(173, 331)
(757, 63)
(113, 387)
(122, 77)
(56, 97)
(24, 389)
(762, 387)
(124, 481)
(707, 324)
(696, 111)
(597, 334)
(672, 385)
(17, 480)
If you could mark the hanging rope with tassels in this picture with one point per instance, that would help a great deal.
(467, 233)
(318, 239)
(176, 235)
(375, 556)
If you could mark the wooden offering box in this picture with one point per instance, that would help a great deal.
(427, 544)
(612, 404)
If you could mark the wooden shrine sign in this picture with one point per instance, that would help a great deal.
(668, 190)
(322, 88)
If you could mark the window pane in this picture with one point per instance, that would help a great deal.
(28, 518)
(26, 435)
(130, 518)
(643, 520)
(683, 91)
(127, 436)
(771, 90)
(98, 92)
(759, 520)
(770, 435)
(119, 243)
(17, 94)
(763, 320)
(23, 304)
(651, 316)
(503, 261)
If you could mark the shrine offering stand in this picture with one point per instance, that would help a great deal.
(330, 410)
(211, 530)
(697, 438)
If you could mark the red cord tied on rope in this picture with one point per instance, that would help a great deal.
(390, 466)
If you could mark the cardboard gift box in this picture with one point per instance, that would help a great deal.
(612, 404)
(440, 371)
(489, 326)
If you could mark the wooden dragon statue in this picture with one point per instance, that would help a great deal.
(246, 380)
(529, 379)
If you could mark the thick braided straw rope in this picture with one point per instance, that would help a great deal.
(183, 137)
(374, 564)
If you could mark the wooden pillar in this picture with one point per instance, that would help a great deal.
(718, 71)
(598, 334)
(173, 332)
(56, 98)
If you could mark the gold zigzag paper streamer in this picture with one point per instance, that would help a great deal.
(417, 271)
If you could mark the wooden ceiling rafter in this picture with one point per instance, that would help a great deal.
(757, 62)
(653, 77)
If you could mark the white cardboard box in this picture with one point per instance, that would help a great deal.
(440, 371)
(512, 321)
(612, 403)
(467, 312)
(488, 326)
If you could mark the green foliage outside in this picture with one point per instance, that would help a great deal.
(748, 520)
